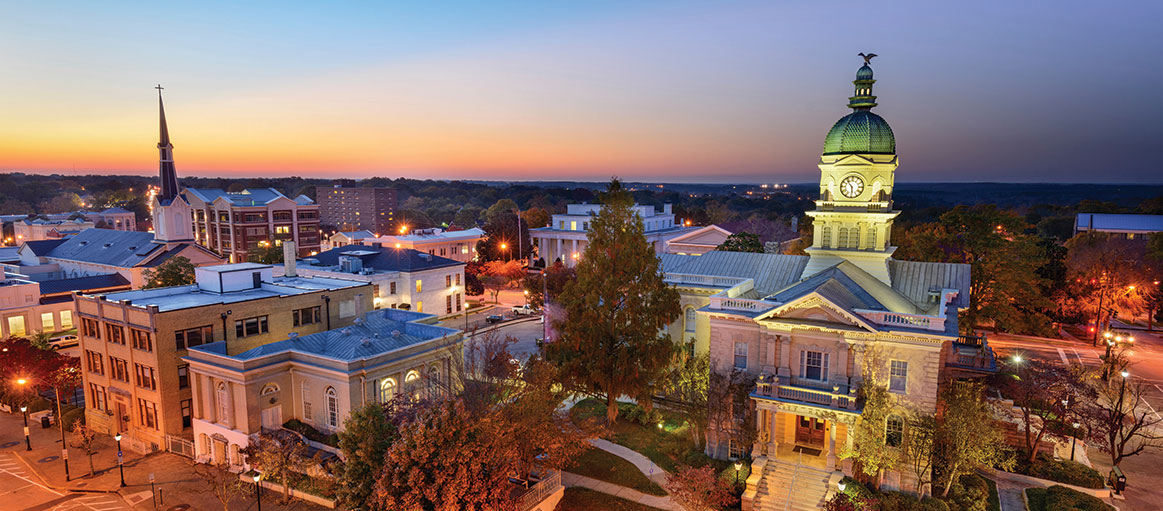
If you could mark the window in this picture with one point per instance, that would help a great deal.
(573, 225)
(434, 388)
(741, 355)
(46, 322)
(93, 362)
(194, 337)
(392, 288)
(187, 413)
(842, 239)
(223, 402)
(66, 319)
(332, 408)
(419, 285)
(16, 326)
(282, 229)
(141, 339)
(305, 395)
(98, 400)
(115, 333)
(898, 375)
(118, 369)
(448, 304)
(268, 389)
(148, 413)
(458, 279)
(308, 316)
(89, 328)
(448, 281)
(183, 376)
(814, 365)
(387, 390)
(894, 431)
(689, 320)
(854, 237)
(419, 306)
(411, 381)
(871, 239)
(145, 377)
(826, 237)
(251, 326)
(457, 302)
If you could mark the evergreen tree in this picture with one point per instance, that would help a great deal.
(365, 440)
(610, 343)
(742, 242)
(178, 271)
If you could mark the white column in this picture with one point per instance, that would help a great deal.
(831, 445)
(772, 442)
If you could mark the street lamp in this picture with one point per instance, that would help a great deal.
(1074, 440)
(24, 411)
(738, 467)
(258, 489)
(120, 459)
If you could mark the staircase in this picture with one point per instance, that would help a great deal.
(791, 487)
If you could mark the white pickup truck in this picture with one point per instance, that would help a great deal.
(523, 310)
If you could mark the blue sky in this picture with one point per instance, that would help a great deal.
(739, 91)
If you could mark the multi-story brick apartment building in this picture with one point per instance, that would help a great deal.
(132, 342)
(350, 209)
(237, 224)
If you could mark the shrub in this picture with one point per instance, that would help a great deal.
(311, 433)
(1060, 497)
(72, 416)
(1068, 472)
(971, 493)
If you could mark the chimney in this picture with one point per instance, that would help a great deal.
(289, 255)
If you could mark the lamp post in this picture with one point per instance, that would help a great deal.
(61, 423)
(258, 489)
(120, 459)
(24, 410)
(738, 467)
(1074, 440)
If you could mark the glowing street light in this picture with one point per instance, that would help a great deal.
(120, 459)
(257, 489)
(24, 411)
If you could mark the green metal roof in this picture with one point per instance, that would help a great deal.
(860, 132)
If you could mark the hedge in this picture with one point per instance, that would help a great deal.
(1059, 497)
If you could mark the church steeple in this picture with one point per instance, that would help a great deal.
(166, 172)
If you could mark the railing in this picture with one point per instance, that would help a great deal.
(740, 304)
(703, 280)
(179, 445)
(541, 491)
(971, 340)
(922, 321)
(840, 397)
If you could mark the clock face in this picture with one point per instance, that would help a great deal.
(851, 186)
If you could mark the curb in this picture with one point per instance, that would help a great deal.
(55, 487)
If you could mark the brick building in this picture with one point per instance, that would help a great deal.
(237, 224)
(349, 209)
(132, 342)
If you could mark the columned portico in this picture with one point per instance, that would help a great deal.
(801, 433)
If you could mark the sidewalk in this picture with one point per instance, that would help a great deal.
(569, 479)
(174, 479)
(644, 465)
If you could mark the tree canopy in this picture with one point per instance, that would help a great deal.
(741, 242)
(178, 271)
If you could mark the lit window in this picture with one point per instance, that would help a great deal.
(814, 365)
(690, 320)
(387, 390)
(46, 322)
(419, 285)
(332, 408)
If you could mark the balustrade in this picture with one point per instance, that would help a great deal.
(839, 397)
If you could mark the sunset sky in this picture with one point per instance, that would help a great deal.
(727, 91)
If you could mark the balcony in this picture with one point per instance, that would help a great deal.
(840, 397)
(970, 356)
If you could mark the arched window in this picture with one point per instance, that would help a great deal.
(434, 383)
(894, 431)
(223, 403)
(205, 444)
(305, 396)
(871, 239)
(269, 389)
(854, 237)
(842, 239)
(411, 381)
(332, 407)
(689, 320)
(387, 390)
(826, 234)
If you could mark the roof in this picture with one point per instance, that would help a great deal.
(1118, 223)
(837, 286)
(770, 272)
(185, 297)
(112, 280)
(357, 235)
(9, 254)
(42, 248)
(123, 249)
(860, 132)
(916, 279)
(385, 258)
(115, 210)
(226, 268)
(472, 233)
(381, 332)
(247, 197)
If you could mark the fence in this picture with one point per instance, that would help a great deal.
(179, 445)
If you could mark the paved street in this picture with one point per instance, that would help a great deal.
(1144, 480)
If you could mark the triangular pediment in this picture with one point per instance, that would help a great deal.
(853, 159)
(709, 235)
(817, 308)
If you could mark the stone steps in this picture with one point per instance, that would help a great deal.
(790, 487)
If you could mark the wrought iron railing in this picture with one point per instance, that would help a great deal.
(540, 491)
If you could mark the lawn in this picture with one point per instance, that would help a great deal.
(667, 446)
(1060, 497)
(584, 499)
(604, 466)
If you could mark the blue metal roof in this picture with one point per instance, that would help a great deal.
(385, 258)
(50, 287)
(1118, 223)
(122, 249)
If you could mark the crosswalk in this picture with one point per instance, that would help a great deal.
(92, 502)
(20, 486)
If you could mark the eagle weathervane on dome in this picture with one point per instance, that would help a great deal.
(867, 58)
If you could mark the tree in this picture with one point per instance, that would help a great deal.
(63, 203)
(466, 218)
(225, 484)
(918, 449)
(266, 253)
(1109, 275)
(535, 217)
(1045, 391)
(728, 413)
(497, 276)
(687, 385)
(503, 206)
(83, 439)
(365, 440)
(698, 489)
(278, 458)
(1120, 419)
(609, 343)
(505, 239)
(21, 359)
(177, 271)
(967, 436)
(741, 242)
(556, 276)
(870, 448)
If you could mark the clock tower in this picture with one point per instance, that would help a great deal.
(853, 217)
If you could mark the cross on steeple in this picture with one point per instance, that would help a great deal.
(159, 88)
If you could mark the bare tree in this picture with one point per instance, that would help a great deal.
(1121, 420)
(225, 484)
(918, 446)
(1044, 393)
(83, 439)
(278, 458)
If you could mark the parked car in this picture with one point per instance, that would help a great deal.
(494, 318)
(523, 310)
(63, 341)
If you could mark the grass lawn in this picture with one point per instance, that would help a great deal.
(1060, 497)
(584, 499)
(667, 447)
(994, 499)
(604, 466)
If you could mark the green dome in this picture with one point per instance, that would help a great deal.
(860, 132)
(864, 73)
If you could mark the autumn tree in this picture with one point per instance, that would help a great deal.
(1108, 275)
(497, 276)
(177, 271)
(535, 217)
(1121, 419)
(466, 218)
(687, 386)
(728, 413)
(870, 446)
(84, 439)
(266, 253)
(967, 436)
(63, 203)
(556, 276)
(39, 366)
(367, 434)
(699, 489)
(741, 242)
(499, 208)
(609, 342)
(278, 458)
(1044, 393)
(225, 484)
(506, 238)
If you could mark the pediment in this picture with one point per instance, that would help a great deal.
(853, 159)
(815, 307)
(709, 235)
